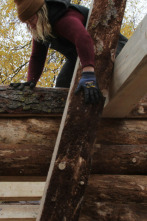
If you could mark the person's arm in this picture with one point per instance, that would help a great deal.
(36, 65)
(37, 61)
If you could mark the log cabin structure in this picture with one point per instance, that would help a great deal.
(29, 125)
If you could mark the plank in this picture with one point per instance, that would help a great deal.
(129, 83)
(118, 188)
(18, 213)
(70, 165)
(116, 197)
(17, 191)
(100, 211)
(22, 178)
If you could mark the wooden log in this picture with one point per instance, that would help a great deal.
(43, 131)
(122, 132)
(119, 159)
(45, 102)
(102, 211)
(70, 165)
(112, 198)
(117, 188)
(39, 101)
(101, 188)
(26, 146)
(129, 83)
(33, 161)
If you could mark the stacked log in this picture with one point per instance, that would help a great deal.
(117, 188)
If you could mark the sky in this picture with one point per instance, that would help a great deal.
(140, 8)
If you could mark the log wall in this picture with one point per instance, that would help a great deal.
(117, 188)
(26, 146)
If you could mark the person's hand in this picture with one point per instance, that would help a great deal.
(20, 86)
(88, 85)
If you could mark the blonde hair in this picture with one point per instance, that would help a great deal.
(43, 27)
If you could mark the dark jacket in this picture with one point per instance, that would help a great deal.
(56, 8)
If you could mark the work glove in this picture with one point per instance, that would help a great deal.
(20, 86)
(88, 85)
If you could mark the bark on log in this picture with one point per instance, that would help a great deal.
(45, 102)
(26, 146)
(39, 101)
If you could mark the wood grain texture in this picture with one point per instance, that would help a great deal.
(26, 147)
(102, 211)
(108, 197)
(129, 83)
(70, 165)
(32, 162)
(18, 191)
(101, 188)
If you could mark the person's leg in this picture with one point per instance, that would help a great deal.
(121, 43)
(65, 76)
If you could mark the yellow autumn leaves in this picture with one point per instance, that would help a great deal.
(15, 49)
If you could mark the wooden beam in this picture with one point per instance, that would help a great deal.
(122, 188)
(26, 149)
(106, 159)
(99, 211)
(45, 102)
(17, 191)
(129, 83)
(140, 111)
(17, 212)
(36, 102)
(70, 165)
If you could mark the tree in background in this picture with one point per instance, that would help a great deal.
(15, 44)
(15, 50)
(134, 13)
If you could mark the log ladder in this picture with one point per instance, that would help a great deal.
(115, 139)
